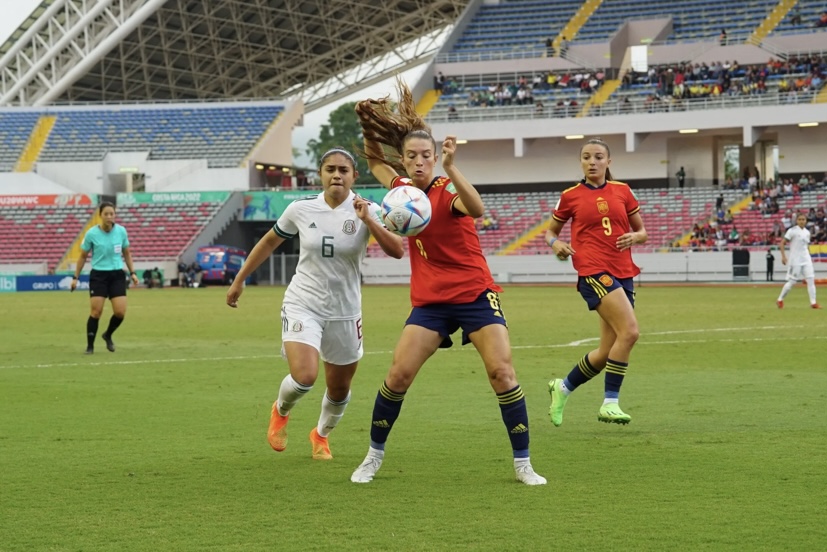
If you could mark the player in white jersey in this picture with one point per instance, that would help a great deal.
(800, 266)
(322, 310)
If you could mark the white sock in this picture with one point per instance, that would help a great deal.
(375, 452)
(786, 289)
(566, 391)
(811, 290)
(332, 412)
(522, 462)
(290, 392)
(610, 401)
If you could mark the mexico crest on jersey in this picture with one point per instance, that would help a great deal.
(603, 207)
(349, 227)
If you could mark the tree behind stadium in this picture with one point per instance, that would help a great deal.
(343, 130)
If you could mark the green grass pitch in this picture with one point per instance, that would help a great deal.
(161, 445)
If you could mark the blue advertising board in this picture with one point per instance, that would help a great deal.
(50, 283)
(8, 283)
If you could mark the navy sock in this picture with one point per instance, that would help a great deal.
(582, 372)
(114, 322)
(615, 371)
(385, 412)
(91, 331)
(515, 417)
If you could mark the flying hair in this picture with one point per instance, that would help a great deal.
(392, 125)
(601, 143)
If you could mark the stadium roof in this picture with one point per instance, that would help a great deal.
(178, 50)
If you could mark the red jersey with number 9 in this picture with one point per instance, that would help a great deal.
(598, 217)
(447, 264)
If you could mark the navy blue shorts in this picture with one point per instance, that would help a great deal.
(445, 319)
(594, 288)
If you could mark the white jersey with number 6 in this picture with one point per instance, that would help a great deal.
(333, 243)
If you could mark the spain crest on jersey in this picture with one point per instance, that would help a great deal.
(603, 207)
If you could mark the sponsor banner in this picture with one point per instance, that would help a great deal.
(61, 200)
(8, 283)
(173, 197)
(50, 283)
(270, 205)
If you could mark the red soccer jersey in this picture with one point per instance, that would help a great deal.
(598, 217)
(447, 264)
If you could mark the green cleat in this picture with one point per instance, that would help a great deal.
(612, 414)
(558, 401)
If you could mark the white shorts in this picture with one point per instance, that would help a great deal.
(338, 341)
(800, 272)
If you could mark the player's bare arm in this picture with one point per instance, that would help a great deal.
(383, 172)
(781, 248)
(390, 243)
(469, 200)
(127, 257)
(262, 250)
(560, 248)
(637, 236)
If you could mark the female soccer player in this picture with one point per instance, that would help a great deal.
(109, 245)
(451, 285)
(606, 223)
(321, 315)
(800, 262)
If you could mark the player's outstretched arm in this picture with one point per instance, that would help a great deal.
(383, 172)
(469, 200)
(262, 250)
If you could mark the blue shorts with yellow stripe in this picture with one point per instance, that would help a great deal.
(594, 288)
(445, 319)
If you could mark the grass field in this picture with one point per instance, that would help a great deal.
(161, 445)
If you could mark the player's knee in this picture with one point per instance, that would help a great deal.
(400, 378)
(502, 375)
(629, 336)
(338, 392)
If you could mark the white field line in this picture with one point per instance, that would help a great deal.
(577, 343)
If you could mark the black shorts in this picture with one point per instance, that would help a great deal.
(446, 319)
(107, 283)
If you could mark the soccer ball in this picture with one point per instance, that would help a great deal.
(406, 211)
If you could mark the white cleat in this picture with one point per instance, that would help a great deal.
(527, 475)
(368, 468)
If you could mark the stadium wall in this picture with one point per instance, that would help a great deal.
(644, 147)
(655, 267)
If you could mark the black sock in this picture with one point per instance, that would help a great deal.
(91, 331)
(515, 417)
(114, 322)
(385, 412)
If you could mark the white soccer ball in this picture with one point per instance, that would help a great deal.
(406, 211)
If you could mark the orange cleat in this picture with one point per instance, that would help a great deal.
(321, 449)
(277, 432)
(815, 306)
(780, 304)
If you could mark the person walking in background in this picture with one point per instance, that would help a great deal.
(606, 223)
(770, 265)
(800, 265)
(321, 316)
(451, 284)
(681, 175)
(109, 245)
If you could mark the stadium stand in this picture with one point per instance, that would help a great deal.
(162, 231)
(15, 128)
(223, 135)
(802, 18)
(40, 233)
(692, 19)
(493, 29)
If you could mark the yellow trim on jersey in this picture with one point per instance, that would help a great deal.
(570, 189)
(558, 219)
(633, 211)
